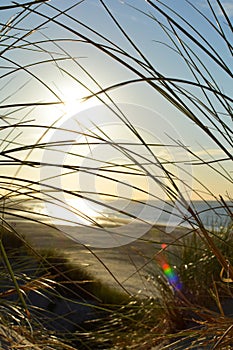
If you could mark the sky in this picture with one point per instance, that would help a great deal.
(105, 138)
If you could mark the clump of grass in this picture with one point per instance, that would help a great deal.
(200, 313)
(140, 323)
(20, 276)
(12, 336)
(199, 269)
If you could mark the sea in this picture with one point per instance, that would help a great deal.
(213, 214)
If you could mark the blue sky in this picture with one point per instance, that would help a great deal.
(149, 111)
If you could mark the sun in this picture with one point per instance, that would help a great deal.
(73, 100)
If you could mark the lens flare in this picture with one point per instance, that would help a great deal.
(168, 270)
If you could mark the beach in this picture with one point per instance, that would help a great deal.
(129, 267)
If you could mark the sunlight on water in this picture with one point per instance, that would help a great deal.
(72, 212)
(86, 213)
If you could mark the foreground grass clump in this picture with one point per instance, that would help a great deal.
(137, 325)
(205, 282)
(19, 276)
(200, 312)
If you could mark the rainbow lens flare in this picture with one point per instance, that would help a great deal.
(169, 271)
(170, 274)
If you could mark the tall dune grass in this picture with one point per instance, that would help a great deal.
(45, 46)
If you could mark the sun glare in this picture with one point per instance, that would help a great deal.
(73, 102)
(71, 212)
(83, 211)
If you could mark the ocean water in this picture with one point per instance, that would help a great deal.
(212, 214)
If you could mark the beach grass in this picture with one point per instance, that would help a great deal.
(194, 313)
(199, 269)
(172, 317)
